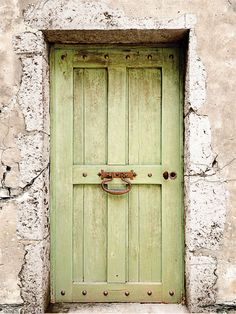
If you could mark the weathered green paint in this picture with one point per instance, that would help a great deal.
(116, 109)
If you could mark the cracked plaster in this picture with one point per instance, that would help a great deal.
(27, 142)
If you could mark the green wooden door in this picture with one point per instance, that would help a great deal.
(117, 110)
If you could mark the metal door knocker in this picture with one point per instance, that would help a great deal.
(124, 176)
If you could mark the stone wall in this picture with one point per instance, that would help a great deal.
(210, 158)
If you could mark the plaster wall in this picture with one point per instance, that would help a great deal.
(210, 154)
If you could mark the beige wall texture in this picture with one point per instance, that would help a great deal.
(21, 178)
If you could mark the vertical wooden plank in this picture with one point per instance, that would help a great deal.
(78, 234)
(145, 148)
(117, 113)
(150, 266)
(172, 215)
(95, 152)
(134, 208)
(78, 191)
(61, 165)
(95, 234)
(78, 116)
(95, 111)
(133, 238)
(117, 206)
(117, 209)
(145, 115)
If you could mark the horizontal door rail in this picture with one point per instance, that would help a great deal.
(122, 292)
(89, 174)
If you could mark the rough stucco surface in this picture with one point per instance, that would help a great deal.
(210, 156)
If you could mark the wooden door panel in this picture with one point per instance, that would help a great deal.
(90, 116)
(117, 116)
(90, 234)
(145, 234)
(78, 233)
(144, 115)
(150, 233)
(117, 242)
(95, 241)
(116, 110)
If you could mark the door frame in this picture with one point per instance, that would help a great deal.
(67, 51)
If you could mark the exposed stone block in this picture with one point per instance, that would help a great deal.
(205, 216)
(29, 43)
(199, 154)
(33, 214)
(195, 77)
(31, 96)
(95, 15)
(200, 282)
(34, 148)
(34, 276)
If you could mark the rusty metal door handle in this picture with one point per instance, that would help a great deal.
(116, 191)
(109, 176)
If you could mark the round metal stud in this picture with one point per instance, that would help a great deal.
(166, 175)
(149, 292)
(149, 175)
(85, 174)
(105, 293)
(171, 293)
(84, 292)
(173, 175)
(63, 292)
(127, 293)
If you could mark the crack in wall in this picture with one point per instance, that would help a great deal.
(225, 307)
(21, 190)
(212, 171)
(193, 111)
(30, 283)
(21, 277)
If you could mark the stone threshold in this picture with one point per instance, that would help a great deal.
(117, 308)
